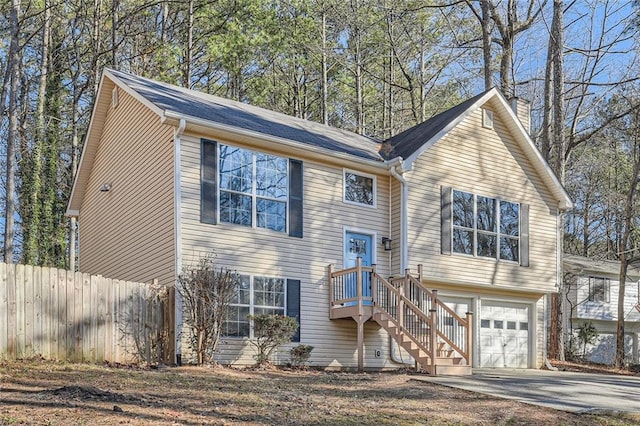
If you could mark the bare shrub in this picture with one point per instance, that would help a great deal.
(206, 293)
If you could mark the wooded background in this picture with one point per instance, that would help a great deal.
(375, 67)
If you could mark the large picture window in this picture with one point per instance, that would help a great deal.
(359, 188)
(256, 295)
(599, 289)
(485, 227)
(253, 188)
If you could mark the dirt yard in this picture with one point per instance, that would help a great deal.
(47, 393)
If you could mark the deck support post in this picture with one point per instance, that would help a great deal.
(469, 339)
(433, 338)
(360, 344)
(359, 285)
(359, 292)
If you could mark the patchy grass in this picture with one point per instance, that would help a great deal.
(47, 393)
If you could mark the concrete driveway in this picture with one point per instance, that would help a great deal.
(567, 391)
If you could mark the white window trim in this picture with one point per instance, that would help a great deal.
(254, 195)
(476, 231)
(374, 189)
(252, 306)
(607, 289)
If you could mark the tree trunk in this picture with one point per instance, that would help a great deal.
(12, 140)
(545, 133)
(325, 108)
(624, 250)
(486, 43)
(114, 34)
(33, 179)
(558, 88)
(188, 57)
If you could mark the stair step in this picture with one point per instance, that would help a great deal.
(446, 362)
(449, 360)
(453, 370)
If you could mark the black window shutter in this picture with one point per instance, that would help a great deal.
(208, 182)
(445, 223)
(293, 304)
(524, 234)
(295, 198)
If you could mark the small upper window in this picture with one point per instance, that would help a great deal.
(487, 118)
(359, 188)
(599, 289)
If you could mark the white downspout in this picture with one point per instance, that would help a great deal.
(404, 196)
(177, 195)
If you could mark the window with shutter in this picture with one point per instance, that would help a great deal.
(481, 226)
(249, 188)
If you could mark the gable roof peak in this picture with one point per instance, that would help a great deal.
(413, 142)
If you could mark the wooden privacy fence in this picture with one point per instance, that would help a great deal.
(71, 316)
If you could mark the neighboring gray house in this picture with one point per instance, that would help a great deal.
(593, 291)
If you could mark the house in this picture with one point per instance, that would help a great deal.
(593, 290)
(330, 226)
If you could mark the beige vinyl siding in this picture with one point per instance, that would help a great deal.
(396, 225)
(485, 162)
(269, 253)
(128, 232)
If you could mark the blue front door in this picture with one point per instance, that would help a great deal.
(358, 245)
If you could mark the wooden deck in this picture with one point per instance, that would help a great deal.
(437, 338)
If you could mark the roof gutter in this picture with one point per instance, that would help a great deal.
(169, 115)
(397, 170)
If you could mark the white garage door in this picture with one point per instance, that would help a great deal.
(504, 335)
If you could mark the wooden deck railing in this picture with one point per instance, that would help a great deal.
(414, 309)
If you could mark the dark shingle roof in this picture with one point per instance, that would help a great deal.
(215, 109)
(406, 143)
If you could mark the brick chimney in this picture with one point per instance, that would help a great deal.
(522, 109)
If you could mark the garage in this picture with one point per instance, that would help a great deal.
(504, 335)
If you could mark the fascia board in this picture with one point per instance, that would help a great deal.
(169, 116)
(77, 190)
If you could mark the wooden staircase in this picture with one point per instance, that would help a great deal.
(434, 335)
(446, 360)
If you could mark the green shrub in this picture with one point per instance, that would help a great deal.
(300, 355)
(270, 331)
(587, 334)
